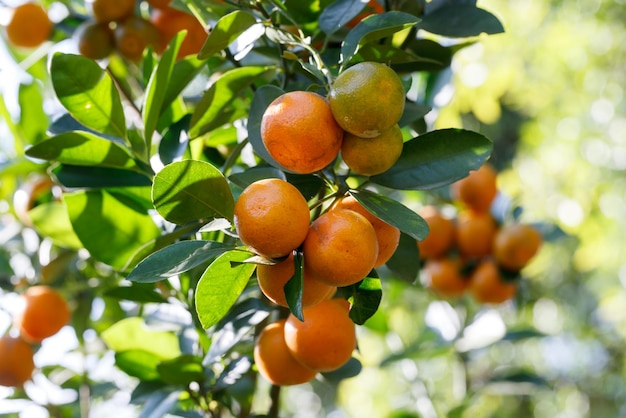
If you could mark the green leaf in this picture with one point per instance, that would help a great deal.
(294, 287)
(460, 21)
(74, 176)
(405, 264)
(233, 372)
(245, 178)
(338, 13)
(221, 93)
(88, 93)
(185, 70)
(136, 293)
(138, 363)
(519, 376)
(174, 143)
(33, 119)
(220, 286)
(393, 212)
(181, 370)
(366, 295)
(373, 28)
(176, 259)
(226, 31)
(52, 220)
(436, 159)
(82, 148)
(109, 228)
(189, 190)
(133, 334)
(261, 100)
(352, 368)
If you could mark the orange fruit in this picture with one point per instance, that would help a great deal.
(171, 21)
(445, 278)
(373, 7)
(300, 133)
(29, 26)
(388, 236)
(112, 10)
(475, 232)
(371, 156)
(440, 239)
(274, 360)
(134, 35)
(367, 99)
(326, 338)
(43, 314)
(341, 248)
(515, 245)
(271, 217)
(95, 40)
(477, 190)
(487, 286)
(16, 361)
(159, 4)
(273, 278)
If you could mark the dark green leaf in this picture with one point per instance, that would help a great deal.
(460, 21)
(221, 93)
(352, 368)
(436, 159)
(135, 293)
(262, 99)
(393, 212)
(519, 376)
(176, 259)
(73, 176)
(138, 363)
(88, 93)
(226, 31)
(235, 370)
(181, 370)
(373, 28)
(185, 70)
(246, 178)
(159, 403)
(338, 13)
(294, 287)
(174, 142)
(413, 112)
(82, 148)
(366, 300)
(220, 286)
(522, 334)
(405, 263)
(189, 190)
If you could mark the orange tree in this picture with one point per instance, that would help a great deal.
(148, 154)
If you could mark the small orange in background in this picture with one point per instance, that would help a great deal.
(134, 35)
(326, 338)
(441, 236)
(488, 286)
(300, 133)
(274, 360)
(29, 26)
(16, 361)
(445, 278)
(170, 21)
(515, 245)
(112, 10)
(478, 190)
(44, 313)
(388, 236)
(95, 40)
(373, 7)
(159, 4)
(475, 232)
(273, 278)
(272, 217)
(341, 248)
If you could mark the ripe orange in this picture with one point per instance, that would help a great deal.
(272, 280)
(171, 21)
(16, 361)
(159, 4)
(515, 245)
(95, 40)
(112, 10)
(327, 337)
(475, 232)
(440, 239)
(367, 99)
(300, 133)
(373, 7)
(445, 278)
(341, 248)
(487, 285)
(134, 35)
(29, 26)
(371, 156)
(272, 217)
(388, 236)
(44, 313)
(274, 360)
(477, 190)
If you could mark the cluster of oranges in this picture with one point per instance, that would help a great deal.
(474, 252)
(44, 312)
(112, 26)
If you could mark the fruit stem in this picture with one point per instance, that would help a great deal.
(275, 401)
